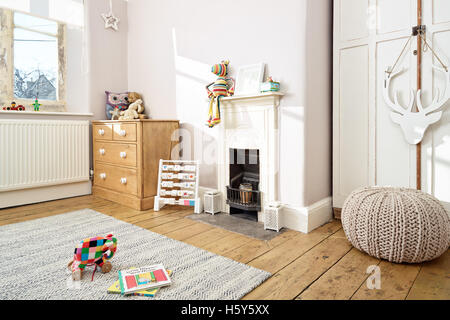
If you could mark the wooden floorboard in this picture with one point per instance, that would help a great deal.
(292, 279)
(318, 265)
(288, 251)
(396, 281)
(343, 279)
(433, 280)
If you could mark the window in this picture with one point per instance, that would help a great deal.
(35, 58)
(33, 61)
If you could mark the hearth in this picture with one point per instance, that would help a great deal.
(243, 194)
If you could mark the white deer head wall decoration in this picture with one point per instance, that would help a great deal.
(414, 124)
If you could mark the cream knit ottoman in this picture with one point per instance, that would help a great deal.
(396, 224)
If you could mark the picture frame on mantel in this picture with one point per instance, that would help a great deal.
(249, 79)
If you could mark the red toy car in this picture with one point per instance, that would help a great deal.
(14, 107)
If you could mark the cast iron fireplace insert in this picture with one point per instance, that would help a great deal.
(243, 195)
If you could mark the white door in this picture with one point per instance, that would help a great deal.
(368, 148)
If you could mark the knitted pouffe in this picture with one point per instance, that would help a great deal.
(396, 224)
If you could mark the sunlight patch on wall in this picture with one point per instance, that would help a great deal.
(191, 78)
(23, 5)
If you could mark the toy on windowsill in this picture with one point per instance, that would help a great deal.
(270, 85)
(93, 251)
(36, 105)
(13, 107)
(222, 87)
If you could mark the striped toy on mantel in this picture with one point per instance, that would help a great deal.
(222, 87)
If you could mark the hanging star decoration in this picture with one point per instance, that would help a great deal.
(111, 21)
(36, 105)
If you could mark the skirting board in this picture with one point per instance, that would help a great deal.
(306, 219)
(303, 219)
(42, 194)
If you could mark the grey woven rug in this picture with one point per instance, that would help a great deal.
(34, 257)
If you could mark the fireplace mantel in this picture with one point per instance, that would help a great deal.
(251, 122)
(272, 96)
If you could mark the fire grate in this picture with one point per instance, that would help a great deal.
(244, 199)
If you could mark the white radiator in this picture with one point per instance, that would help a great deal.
(39, 153)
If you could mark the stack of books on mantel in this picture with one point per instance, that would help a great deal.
(144, 281)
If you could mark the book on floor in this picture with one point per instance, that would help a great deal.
(115, 288)
(143, 278)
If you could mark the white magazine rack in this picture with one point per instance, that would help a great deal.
(178, 184)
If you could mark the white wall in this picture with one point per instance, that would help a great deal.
(173, 43)
(318, 113)
(107, 52)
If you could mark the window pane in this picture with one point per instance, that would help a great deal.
(35, 23)
(35, 65)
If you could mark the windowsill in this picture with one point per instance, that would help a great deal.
(44, 113)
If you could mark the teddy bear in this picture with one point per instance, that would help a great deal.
(132, 112)
(133, 97)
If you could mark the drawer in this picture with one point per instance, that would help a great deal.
(116, 153)
(102, 131)
(124, 132)
(116, 178)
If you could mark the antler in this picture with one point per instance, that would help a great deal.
(395, 105)
(436, 104)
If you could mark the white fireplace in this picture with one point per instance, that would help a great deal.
(250, 123)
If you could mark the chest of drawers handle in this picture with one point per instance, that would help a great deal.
(123, 180)
(102, 152)
(123, 155)
(103, 176)
(101, 132)
(122, 133)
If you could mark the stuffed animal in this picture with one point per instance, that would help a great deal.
(222, 87)
(132, 111)
(116, 100)
(92, 251)
(133, 97)
(115, 114)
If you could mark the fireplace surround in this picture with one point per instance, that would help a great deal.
(248, 152)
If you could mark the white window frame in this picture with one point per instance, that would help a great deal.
(7, 64)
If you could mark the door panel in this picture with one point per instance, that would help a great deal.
(354, 19)
(353, 115)
(393, 165)
(388, 17)
(441, 11)
(441, 131)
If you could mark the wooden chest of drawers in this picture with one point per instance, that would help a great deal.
(126, 158)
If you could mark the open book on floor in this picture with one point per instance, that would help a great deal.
(144, 278)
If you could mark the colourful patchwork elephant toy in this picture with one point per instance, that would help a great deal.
(222, 87)
(92, 251)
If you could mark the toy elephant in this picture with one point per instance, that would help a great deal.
(92, 251)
